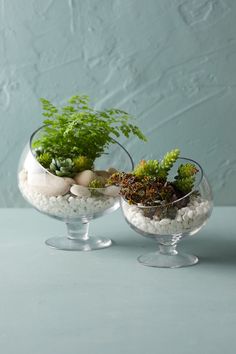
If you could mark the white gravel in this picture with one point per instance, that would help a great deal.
(67, 206)
(187, 220)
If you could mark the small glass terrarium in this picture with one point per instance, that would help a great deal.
(166, 201)
(64, 169)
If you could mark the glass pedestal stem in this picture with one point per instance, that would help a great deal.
(78, 231)
(168, 250)
(167, 257)
(77, 239)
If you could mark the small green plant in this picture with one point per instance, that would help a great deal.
(80, 133)
(156, 169)
(96, 183)
(148, 184)
(147, 168)
(82, 163)
(62, 167)
(185, 178)
(95, 186)
(45, 159)
(168, 161)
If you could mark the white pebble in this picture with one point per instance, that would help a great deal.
(67, 206)
(164, 222)
(80, 191)
(187, 219)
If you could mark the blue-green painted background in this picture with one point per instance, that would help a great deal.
(171, 63)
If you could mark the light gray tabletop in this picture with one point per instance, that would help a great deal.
(58, 302)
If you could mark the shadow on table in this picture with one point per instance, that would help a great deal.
(208, 247)
(134, 243)
(212, 250)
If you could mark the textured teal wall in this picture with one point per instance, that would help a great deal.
(171, 63)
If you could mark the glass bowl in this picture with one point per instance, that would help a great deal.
(170, 223)
(64, 199)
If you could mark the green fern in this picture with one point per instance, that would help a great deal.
(79, 129)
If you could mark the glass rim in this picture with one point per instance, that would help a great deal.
(179, 199)
(45, 125)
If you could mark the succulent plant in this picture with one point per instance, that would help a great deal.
(148, 184)
(167, 162)
(185, 178)
(156, 169)
(147, 168)
(62, 167)
(169, 159)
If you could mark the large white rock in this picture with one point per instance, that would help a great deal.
(85, 177)
(31, 164)
(48, 184)
(70, 180)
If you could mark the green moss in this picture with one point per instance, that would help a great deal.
(82, 163)
(44, 159)
(96, 183)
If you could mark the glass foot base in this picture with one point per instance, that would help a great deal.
(160, 260)
(66, 244)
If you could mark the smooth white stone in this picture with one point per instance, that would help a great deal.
(85, 177)
(190, 214)
(199, 210)
(52, 199)
(179, 218)
(150, 229)
(164, 222)
(48, 184)
(80, 191)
